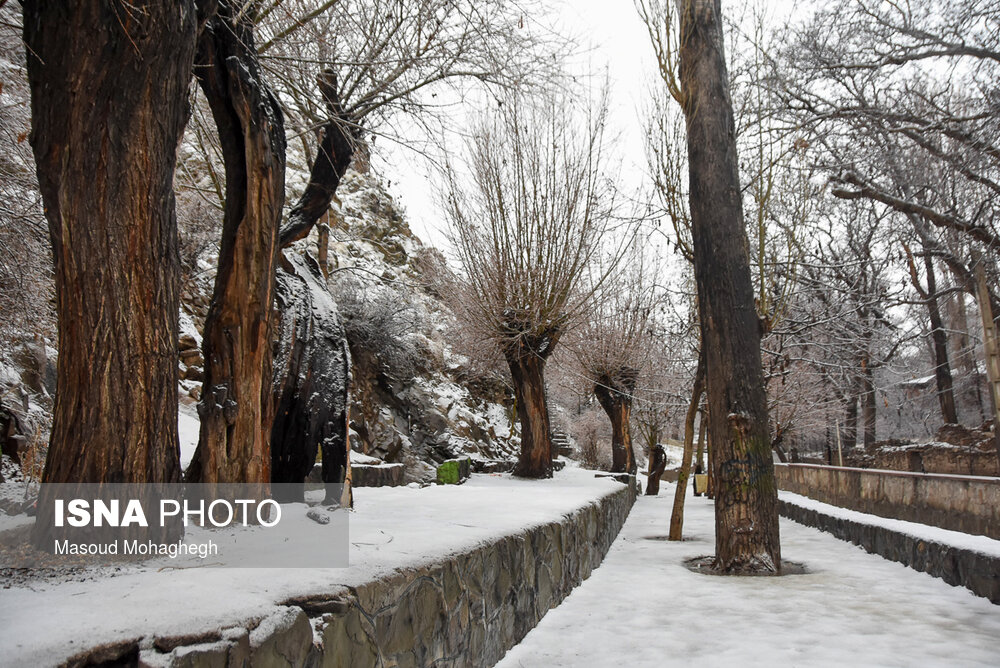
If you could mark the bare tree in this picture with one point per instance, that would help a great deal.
(527, 229)
(612, 346)
(689, 48)
(911, 123)
(898, 104)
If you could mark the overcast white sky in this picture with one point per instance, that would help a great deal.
(612, 38)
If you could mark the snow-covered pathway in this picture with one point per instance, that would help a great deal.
(642, 607)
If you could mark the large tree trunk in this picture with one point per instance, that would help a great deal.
(677, 516)
(312, 367)
(615, 397)
(942, 367)
(746, 517)
(527, 369)
(236, 407)
(109, 90)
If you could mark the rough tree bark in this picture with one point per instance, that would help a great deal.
(746, 499)
(677, 515)
(109, 89)
(313, 364)
(311, 372)
(657, 465)
(526, 360)
(615, 397)
(236, 407)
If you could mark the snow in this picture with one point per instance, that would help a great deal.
(675, 455)
(392, 528)
(187, 327)
(361, 458)
(188, 429)
(932, 534)
(642, 607)
(918, 382)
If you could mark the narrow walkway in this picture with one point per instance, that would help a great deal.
(642, 607)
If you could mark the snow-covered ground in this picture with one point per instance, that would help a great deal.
(642, 607)
(45, 622)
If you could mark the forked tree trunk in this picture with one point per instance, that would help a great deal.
(236, 407)
(746, 502)
(677, 516)
(527, 369)
(109, 103)
(615, 397)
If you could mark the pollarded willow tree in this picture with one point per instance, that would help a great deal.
(528, 226)
(612, 347)
(688, 41)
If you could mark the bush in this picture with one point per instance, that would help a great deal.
(381, 320)
(592, 433)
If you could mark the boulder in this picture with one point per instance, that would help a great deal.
(377, 475)
(499, 466)
(187, 342)
(192, 357)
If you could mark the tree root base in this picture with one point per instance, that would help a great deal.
(706, 566)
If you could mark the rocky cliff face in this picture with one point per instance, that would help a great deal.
(413, 398)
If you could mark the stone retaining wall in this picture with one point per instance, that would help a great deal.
(465, 611)
(978, 572)
(959, 503)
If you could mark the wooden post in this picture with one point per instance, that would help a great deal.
(989, 346)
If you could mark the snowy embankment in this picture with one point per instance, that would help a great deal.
(391, 529)
(642, 607)
(964, 541)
